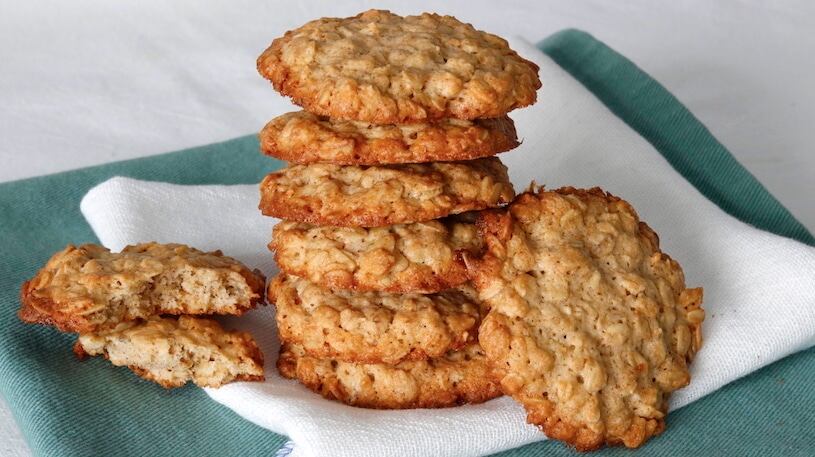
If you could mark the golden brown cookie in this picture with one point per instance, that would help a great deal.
(372, 327)
(359, 196)
(172, 352)
(386, 69)
(455, 378)
(88, 288)
(423, 257)
(591, 326)
(305, 138)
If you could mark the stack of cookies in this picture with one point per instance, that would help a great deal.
(395, 149)
(393, 200)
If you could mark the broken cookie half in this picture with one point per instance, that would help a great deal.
(121, 303)
(88, 288)
(173, 351)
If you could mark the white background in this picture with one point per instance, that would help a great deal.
(88, 82)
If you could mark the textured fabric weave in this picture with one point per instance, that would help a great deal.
(67, 408)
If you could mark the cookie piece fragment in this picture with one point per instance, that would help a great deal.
(372, 327)
(172, 352)
(305, 138)
(455, 378)
(590, 324)
(88, 288)
(382, 68)
(423, 257)
(375, 196)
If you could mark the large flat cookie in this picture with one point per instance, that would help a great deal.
(386, 69)
(591, 326)
(305, 138)
(88, 288)
(372, 327)
(172, 352)
(356, 196)
(455, 378)
(423, 257)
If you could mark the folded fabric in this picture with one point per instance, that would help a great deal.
(759, 293)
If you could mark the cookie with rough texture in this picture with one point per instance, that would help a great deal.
(360, 196)
(87, 288)
(306, 138)
(423, 257)
(455, 378)
(372, 327)
(590, 325)
(172, 352)
(386, 69)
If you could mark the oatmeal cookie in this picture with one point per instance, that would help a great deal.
(423, 257)
(386, 69)
(87, 288)
(358, 196)
(172, 352)
(306, 138)
(372, 327)
(590, 325)
(455, 378)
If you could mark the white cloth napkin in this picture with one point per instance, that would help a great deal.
(759, 288)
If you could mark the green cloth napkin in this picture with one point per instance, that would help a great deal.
(69, 408)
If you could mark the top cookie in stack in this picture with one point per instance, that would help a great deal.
(381, 68)
(403, 117)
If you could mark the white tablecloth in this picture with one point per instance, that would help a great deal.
(87, 82)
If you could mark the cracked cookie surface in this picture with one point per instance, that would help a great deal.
(382, 68)
(455, 378)
(423, 257)
(375, 196)
(372, 327)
